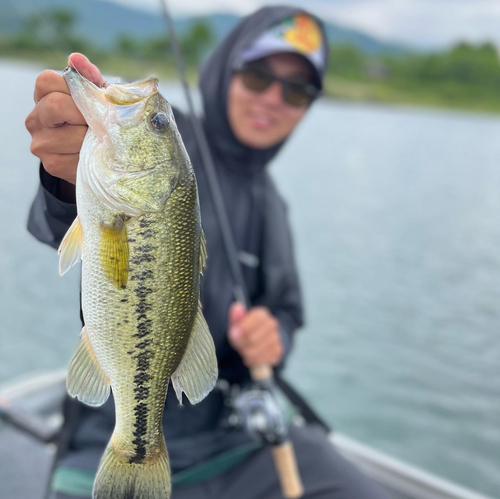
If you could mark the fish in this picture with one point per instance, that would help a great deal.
(138, 235)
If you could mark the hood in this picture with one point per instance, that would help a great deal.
(215, 75)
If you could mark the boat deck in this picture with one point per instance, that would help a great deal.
(26, 462)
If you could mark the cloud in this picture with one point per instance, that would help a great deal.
(424, 23)
(420, 22)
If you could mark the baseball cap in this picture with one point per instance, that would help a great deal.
(299, 34)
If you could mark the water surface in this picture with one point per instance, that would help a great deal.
(395, 214)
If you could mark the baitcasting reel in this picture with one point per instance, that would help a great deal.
(256, 409)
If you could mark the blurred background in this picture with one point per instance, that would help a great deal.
(394, 193)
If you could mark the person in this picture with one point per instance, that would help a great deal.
(256, 87)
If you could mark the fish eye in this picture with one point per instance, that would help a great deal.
(159, 121)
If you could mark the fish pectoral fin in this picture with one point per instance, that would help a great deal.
(203, 252)
(70, 249)
(197, 372)
(114, 253)
(85, 380)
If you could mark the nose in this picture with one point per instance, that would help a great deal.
(274, 94)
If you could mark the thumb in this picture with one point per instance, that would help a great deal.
(86, 69)
(236, 313)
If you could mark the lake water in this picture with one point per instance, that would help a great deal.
(396, 219)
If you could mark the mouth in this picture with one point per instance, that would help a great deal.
(261, 121)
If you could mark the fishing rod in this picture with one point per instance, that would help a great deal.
(239, 288)
(274, 431)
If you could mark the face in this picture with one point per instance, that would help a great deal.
(262, 120)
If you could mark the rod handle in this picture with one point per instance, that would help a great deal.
(261, 373)
(286, 466)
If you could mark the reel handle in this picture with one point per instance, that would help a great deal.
(261, 373)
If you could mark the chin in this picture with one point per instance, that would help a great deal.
(257, 141)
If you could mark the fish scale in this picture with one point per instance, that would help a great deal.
(139, 236)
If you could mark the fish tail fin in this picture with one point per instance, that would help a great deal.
(122, 477)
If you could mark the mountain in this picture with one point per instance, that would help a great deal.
(102, 21)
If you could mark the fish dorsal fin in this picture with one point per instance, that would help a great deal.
(203, 252)
(114, 253)
(70, 249)
(197, 372)
(85, 380)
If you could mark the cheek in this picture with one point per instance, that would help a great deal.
(290, 118)
(236, 102)
(240, 103)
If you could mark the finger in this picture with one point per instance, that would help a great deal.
(254, 318)
(262, 358)
(49, 81)
(236, 313)
(259, 335)
(62, 166)
(269, 351)
(234, 336)
(57, 108)
(86, 69)
(67, 139)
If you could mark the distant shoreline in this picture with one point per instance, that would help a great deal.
(338, 89)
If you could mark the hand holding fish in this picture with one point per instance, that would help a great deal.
(254, 334)
(56, 125)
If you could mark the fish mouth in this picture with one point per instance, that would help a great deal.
(71, 75)
(88, 97)
(118, 103)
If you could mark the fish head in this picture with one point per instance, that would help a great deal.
(141, 153)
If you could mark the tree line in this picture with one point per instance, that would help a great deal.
(464, 73)
(54, 30)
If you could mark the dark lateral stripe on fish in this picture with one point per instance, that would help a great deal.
(143, 328)
(142, 291)
(142, 307)
(141, 392)
(141, 425)
(147, 233)
(142, 258)
(143, 275)
(142, 354)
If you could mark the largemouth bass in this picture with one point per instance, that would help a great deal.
(139, 236)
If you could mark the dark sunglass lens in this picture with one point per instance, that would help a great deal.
(297, 94)
(256, 80)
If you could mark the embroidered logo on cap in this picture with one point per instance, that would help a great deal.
(301, 32)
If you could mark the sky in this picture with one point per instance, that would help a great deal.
(423, 23)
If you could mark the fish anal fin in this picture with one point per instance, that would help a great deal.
(114, 252)
(197, 372)
(85, 380)
(70, 249)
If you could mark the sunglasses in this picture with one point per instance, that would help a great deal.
(258, 78)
